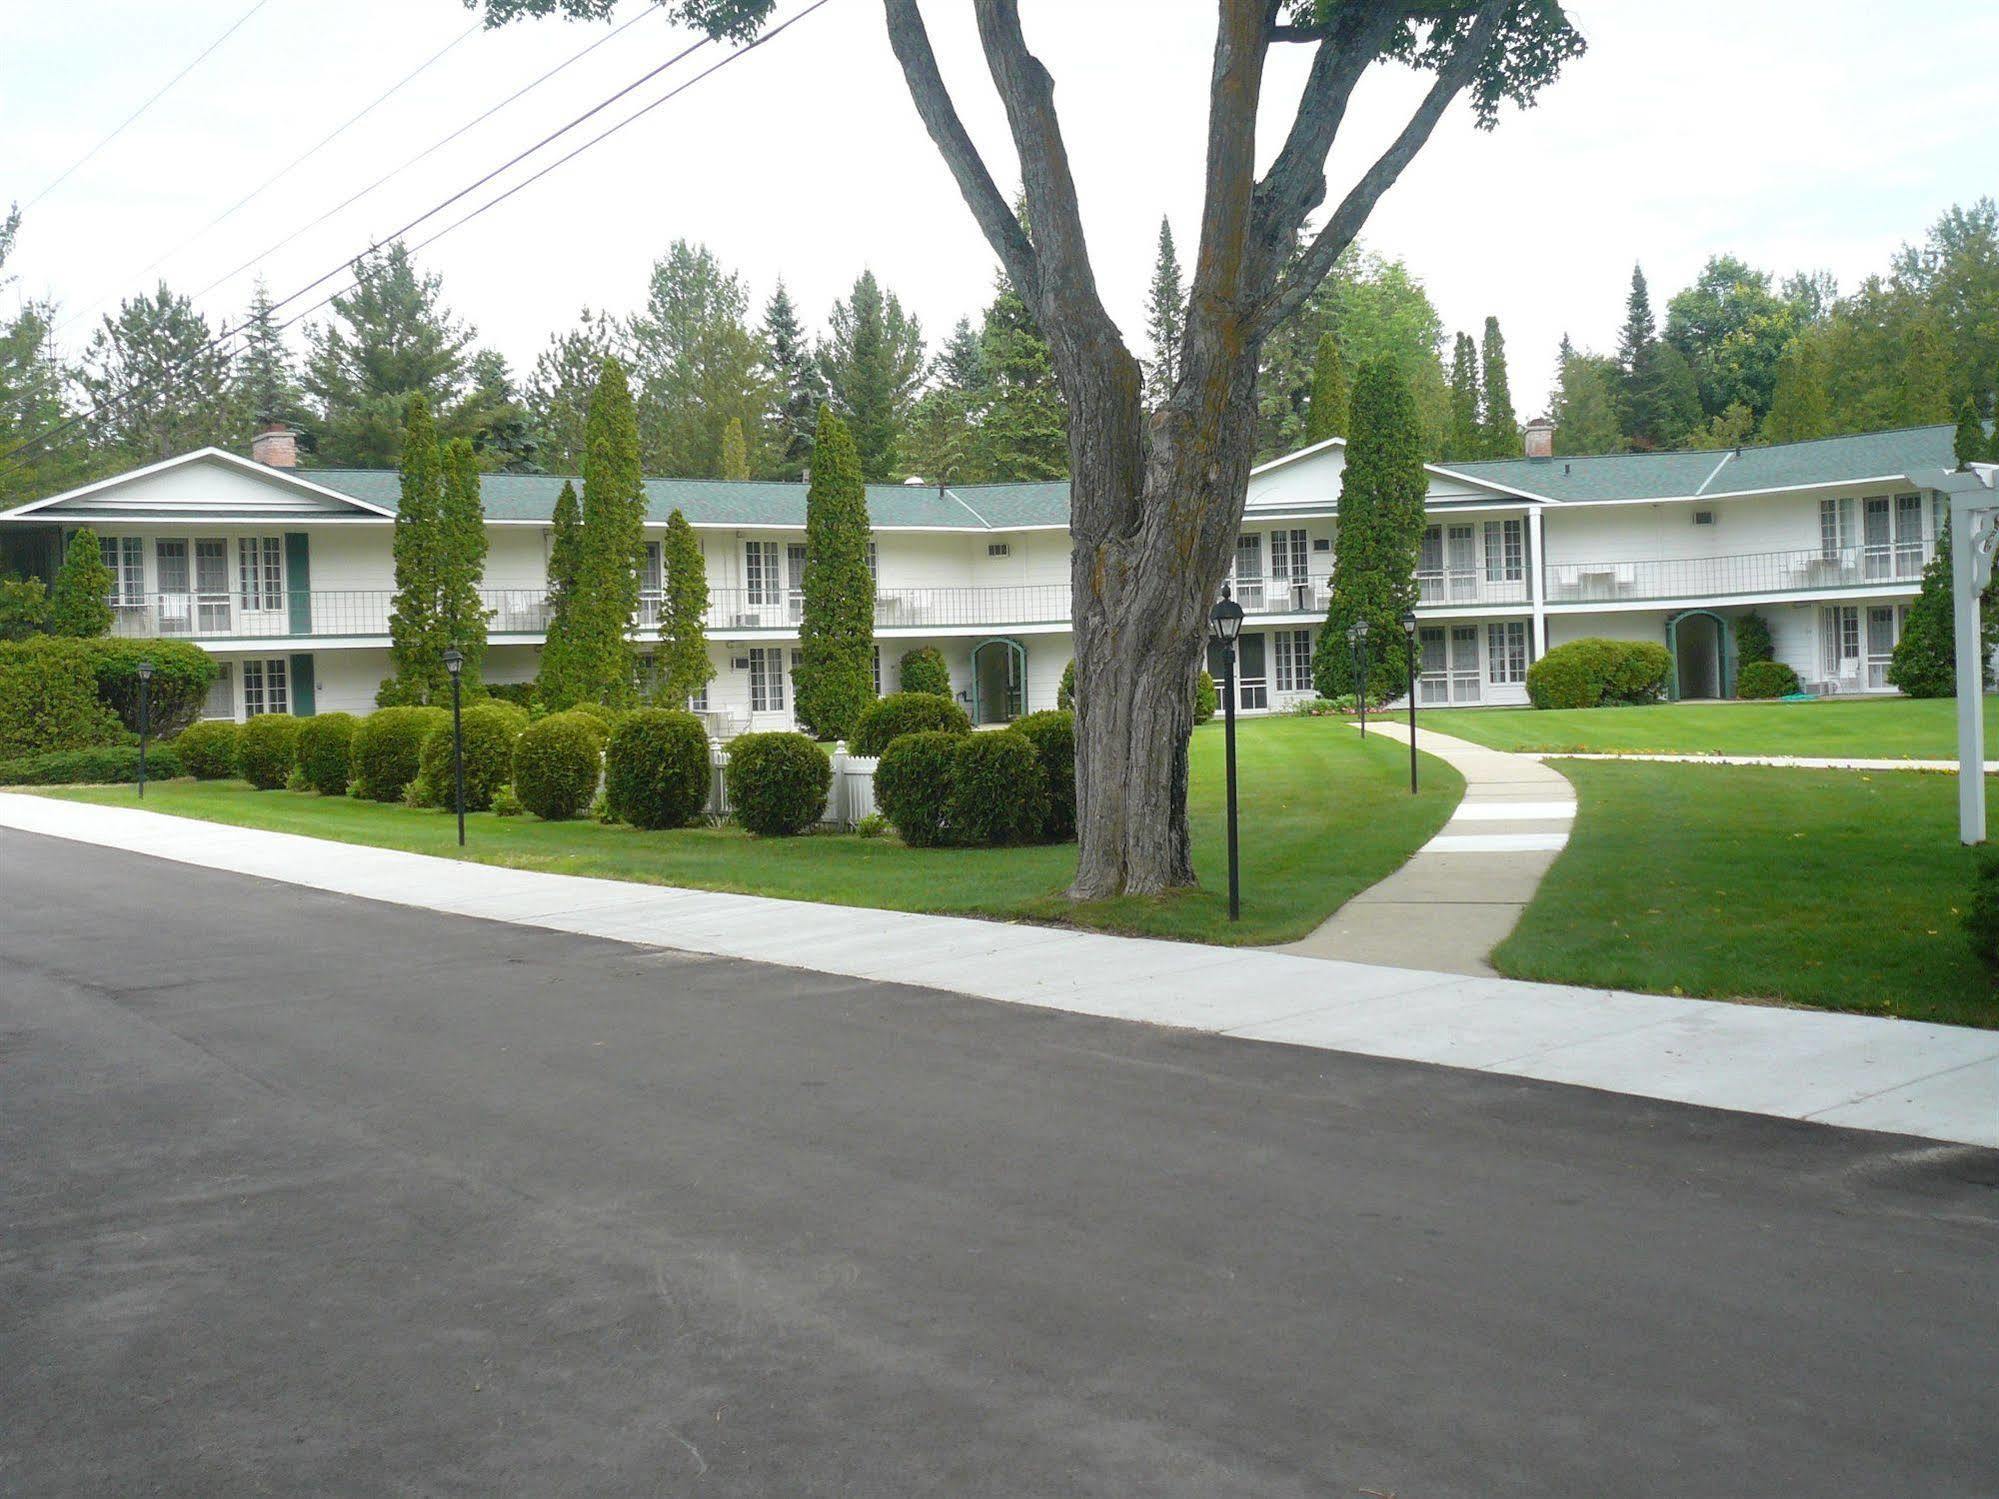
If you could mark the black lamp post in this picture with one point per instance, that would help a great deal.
(1357, 638)
(454, 662)
(145, 669)
(1224, 625)
(1409, 654)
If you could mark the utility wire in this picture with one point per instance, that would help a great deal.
(65, 174)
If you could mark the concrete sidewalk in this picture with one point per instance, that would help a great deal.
(1867, 1073)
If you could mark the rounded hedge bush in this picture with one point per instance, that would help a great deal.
(924, 670)
(656, 768)
(913, 785)
(105, 765)
(325, 743)
(267, 750)
(905, 713)
(49, 701)
(1762, 679)
(387, 750)
(1053, 735)
(1207, 698)
(556, 763)
(606, 717)
(998, 794)
(1639, 673)
(182, 675)
(208, 749)
(490, 730)
(778, 782)
(1594, 672)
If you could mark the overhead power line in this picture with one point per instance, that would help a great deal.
(65, 174)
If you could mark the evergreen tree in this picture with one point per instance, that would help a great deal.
(158, 387)
(1639, 328)
(1500, 428)
(942, 445)
(1968, 443)
(1659, 402)
(1326, 415)
(1584, 404)
(961, 368)
(558, 389)
(684, 666)
(416, 631)
(1381, 528)
(462, 561)
(835, 678)
(873, 365)
(612, 547)
(266, 386)
(1734, 428)
(80, 601)
(794, 378)
(1165, 319)
(735, 451)
(1800, 404)
(45, 456)
(493, 417)
(555, 680)
(1021, 420)
(1465, 439)
(1925, 659)
(698, 366)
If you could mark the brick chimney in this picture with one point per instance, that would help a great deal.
(275, 446)
(1540, 438)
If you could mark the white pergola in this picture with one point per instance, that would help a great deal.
(1974, 538)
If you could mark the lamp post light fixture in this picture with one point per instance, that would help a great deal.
(145, 670)
(454, 662)
(1357, 638)
(1409, 654)
(1224, 625)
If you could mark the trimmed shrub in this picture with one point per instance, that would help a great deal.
(556, 763)
(1760, 679)
(1595, 672)
(1752, 639)
(325, 746)
(778, 782)
(208, 749)
(520, 694)
(1981, 912)
(490, 730)
(182, 675)
(924, 670)
(1065, 692)
(386, 752)
(1053, 736)
(913, 785)
(105, 765)
(656, 768)
(998, 794)
(267, 750)
(49, 702)
(1638, 673)
(506, 804)
(902, 713)
(1207, 700)
(607, 717)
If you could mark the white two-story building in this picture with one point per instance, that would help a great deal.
(285, 574)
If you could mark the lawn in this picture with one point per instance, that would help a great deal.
(1837, 889)
(1324, 815)
(1896, 728)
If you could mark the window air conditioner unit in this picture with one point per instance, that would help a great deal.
(739, 663)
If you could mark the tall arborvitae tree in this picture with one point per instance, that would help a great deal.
(1326, 414)
(555, 680)
(793, 376)
(1800, 404)
(697, 365)
(1381, 529)
(558, 390)
(416, 631)
(735, 451)
(158, 383)
(613, 546)
(835, 679)
(1165, 319)
(462, 561)
(80, 600)
(1925, 659)
(873, 365)
(1499, 427)
(266, 385)
(1584, 404)
(684, 666)
(1968, 442)
(1465, 439)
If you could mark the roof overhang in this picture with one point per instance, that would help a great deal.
(290, 483)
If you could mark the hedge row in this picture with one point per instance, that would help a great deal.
(106, 764)
(489, 731)
(267, 750)
(1013, 785)
(182, 675)
(902, 713)
(208, 749)
(1595, 673)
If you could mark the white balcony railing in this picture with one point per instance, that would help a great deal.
(1809, 569)
(1470, 585)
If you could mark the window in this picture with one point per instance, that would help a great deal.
(878, 671)
(1703, 517)
(126, 557)
(1294, 660)
(1506, 652)
(766, 678)
(264, 687)
(761, 578)
(260, 574)
(1287, 554)
(221, 699)
(697, 700)
(1835, 528)
(997, 549)
(874, 565)
(1249, 557)
(653, 579)
(1505, 551)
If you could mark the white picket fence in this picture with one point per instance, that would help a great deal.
(850, 797)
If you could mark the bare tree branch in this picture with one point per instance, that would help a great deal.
(1339, 231)
(1221, 290)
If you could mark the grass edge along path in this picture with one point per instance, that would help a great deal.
(1887, 728)
(1833, 889)
(1324, 815)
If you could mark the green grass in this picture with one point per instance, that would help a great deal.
(1896, 728)
(1324, 815)
(1836, 889)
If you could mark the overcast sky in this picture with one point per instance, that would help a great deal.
(1796, 133)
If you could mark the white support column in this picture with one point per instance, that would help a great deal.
(1974, 531)
(1537, 585)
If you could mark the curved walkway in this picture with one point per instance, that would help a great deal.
(1462, 892)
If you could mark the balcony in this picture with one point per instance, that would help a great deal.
(1441, 586)
(1806, 570)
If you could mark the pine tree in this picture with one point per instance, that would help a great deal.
(1381, 529)
(835, 677)
(493, 417)
(555, 680)
(45, 455)
(1500, 428)
(1968, 443)
(697, 365)
(158, 386)
(684, 666)
(1165, 319)
(416, 635)
(1659, 402)
(462, 561)
(1021, 422)
(1639, 326)
(1326, 415)
(612, 547)
(961, 367)
(795, 379)
(1800, 404)
(1465, 439)
(735, 452)
(1584, 404)
(80, 600)
(873, 365)
(558, 390)
(266, 387)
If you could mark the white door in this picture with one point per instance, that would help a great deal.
(1461, 557)
(1881, 637)
(1464, 664)
(211, 589)
(176, 605)
(794, 580)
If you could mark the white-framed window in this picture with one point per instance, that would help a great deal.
(1294, 660)
(1835, 528)
(126, 557)
(697, 700)
(878, 670)
(221, 699)
(260, 572)
(1505, 551)
(265, 687)
(653, 580)
(794, 578)
(874, 564)
(1506, 652)
(766, 679)
(762, 578)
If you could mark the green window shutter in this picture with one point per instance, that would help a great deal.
(298, 581)
(301, 685)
